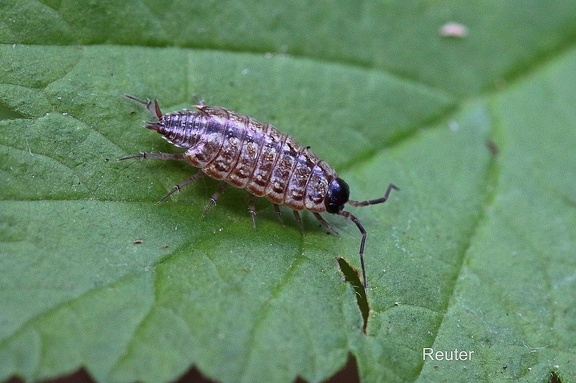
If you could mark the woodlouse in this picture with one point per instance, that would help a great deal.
(255, 156)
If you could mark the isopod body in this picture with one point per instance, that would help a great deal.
(255, 156)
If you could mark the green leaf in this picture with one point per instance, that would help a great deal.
(475, 252)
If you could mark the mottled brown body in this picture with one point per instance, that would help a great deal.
(255, 156)
(250, 155)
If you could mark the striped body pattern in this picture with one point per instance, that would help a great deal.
(255, 156)
(249, 155)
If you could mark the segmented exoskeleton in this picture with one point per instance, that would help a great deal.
(255, 156)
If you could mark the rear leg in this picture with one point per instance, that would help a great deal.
(252, 210)
(156, 156)
(214, 197)
(167, 157)
(298, 219)
(278, 213)
(182, 185)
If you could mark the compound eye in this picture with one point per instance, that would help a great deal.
(337, 196)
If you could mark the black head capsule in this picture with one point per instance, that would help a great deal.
(337, 197)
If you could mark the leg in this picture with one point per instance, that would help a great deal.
(278, 213)
(156, 156)
(252, 210)
(199, 101)
(298, 219)
(214, 197)
(182, 184)
(377, 200)
(325, 223)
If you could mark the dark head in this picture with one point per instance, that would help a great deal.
(337, 196)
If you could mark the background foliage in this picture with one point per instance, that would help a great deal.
(476, 252)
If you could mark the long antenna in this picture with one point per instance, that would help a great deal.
(347, 214)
